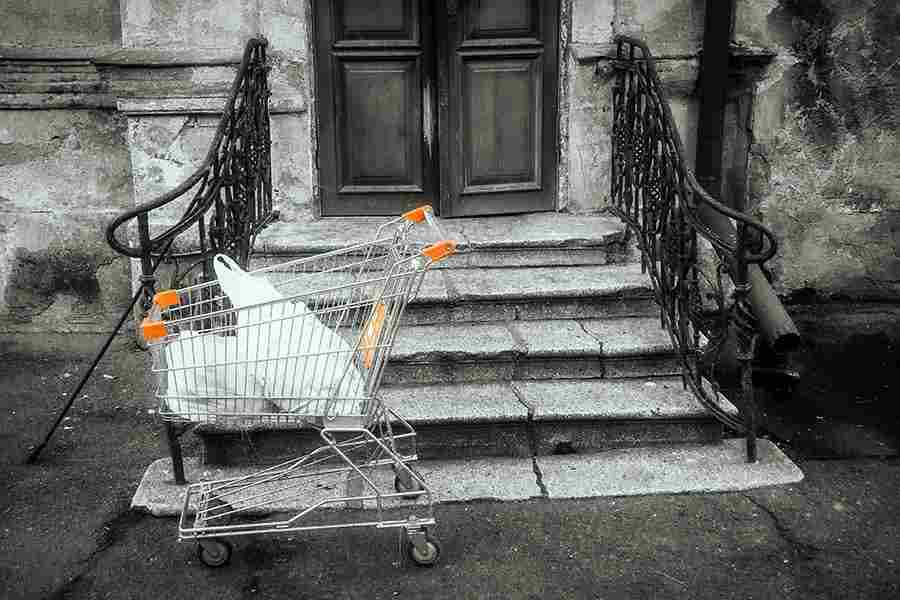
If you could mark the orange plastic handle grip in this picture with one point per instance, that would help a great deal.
(166, 298)
(153, 330)
(440, 250)
(417, 215)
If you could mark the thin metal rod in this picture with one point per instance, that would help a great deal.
(35, 453)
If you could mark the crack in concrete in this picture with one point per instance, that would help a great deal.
(802, 549)
(108, 534)
(532, 440)
(593, 335)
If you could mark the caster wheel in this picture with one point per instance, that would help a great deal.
(407, 484)
(427, 556)
(214, 552)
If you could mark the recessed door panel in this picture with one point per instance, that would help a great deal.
(379, 108)
(377, 20)
(501, 125)
(503, 19)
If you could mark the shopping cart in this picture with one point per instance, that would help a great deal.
(301, 343)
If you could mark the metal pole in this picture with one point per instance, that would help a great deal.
(713, 93)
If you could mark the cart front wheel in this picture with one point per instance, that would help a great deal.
(425, 555)
(214, 552)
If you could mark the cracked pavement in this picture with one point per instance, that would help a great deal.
(66, 531)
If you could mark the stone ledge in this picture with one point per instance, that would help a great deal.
(629, 472)
(740, 55)
(200, 105)
(666, 470)
(171, 57)
(603, 399)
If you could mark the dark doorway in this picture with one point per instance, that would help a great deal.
(451, 102)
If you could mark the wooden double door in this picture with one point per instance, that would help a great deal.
(448, 102)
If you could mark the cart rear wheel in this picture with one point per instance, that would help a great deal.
(426, 556)
(405, 483)
(214, 552)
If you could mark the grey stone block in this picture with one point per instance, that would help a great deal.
(666, 470)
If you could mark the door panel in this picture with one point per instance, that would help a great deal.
(500, 100)
(378, 108)
(375, 110)
(392, 20)
(503, 19)
(498, 134)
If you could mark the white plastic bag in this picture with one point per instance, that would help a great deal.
(206, 375)
(298, 358)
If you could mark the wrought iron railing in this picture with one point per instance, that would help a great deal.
(696, 250)
(228, 199)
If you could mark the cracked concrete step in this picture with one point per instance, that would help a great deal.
(541, 349)
(624, 472)
(538, 239)
(516, 418)
(484, 295)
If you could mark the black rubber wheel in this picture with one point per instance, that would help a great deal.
(413, 486)
(429, 557)
(214, 552)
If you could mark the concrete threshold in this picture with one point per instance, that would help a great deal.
(628, 472)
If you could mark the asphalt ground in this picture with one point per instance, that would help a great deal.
(66, 530)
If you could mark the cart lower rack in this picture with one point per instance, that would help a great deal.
(303, 342)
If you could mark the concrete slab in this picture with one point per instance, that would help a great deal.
(666, 470)
(555, 338)
(627, 399)
(630, 336)
(638, 471)
(540, 230)
(466, 403)
(549, 282)
(468, 341)
(449, 481)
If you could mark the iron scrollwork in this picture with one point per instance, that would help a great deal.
(696, 250)
(228, 198)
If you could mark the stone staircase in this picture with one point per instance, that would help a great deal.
(540, 337)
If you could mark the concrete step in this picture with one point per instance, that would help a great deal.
(529, 293)
(516, 293)
(539, 239)
(680, 469)
(539, 349)
(514, 418)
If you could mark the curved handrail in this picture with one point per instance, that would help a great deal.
(660, 199)
(770, 241)
(253, 57)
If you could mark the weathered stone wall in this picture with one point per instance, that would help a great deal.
(64, 168)
(825, 162)
(168, 138)
(59, 23)
(674, 30)
(818, 125)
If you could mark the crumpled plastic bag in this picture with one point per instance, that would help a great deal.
(206, 375)
(302, 363)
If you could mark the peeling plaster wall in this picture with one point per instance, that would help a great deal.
(63, 175)
(165, 144)
(817, 129)
(63, 172)
(59, 23)
(825, 159)
(674, 31)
